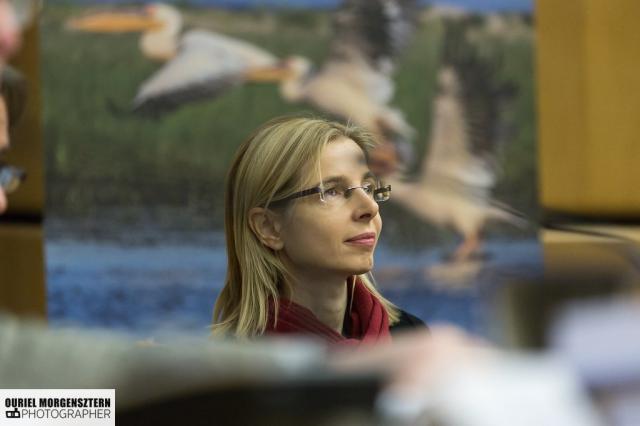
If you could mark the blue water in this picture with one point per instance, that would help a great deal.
(146, 288)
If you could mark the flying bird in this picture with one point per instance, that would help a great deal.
(354, 83)
(459, 170)
(198, 64)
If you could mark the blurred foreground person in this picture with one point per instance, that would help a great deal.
(10, 35)
(12, 102)
(442, 376)
(302, 223)
(12, 97)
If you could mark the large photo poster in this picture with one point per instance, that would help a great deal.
(145, 104)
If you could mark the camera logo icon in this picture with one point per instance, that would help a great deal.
(15, 414)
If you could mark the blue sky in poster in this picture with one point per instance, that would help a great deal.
(475, 5)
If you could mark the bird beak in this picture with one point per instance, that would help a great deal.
(268, 74)
(114, 22)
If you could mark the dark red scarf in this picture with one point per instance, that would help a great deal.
(368, 320)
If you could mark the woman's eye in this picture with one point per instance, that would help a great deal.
(332, 192)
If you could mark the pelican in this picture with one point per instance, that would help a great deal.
(199, 64)
(354, 83)
(459, 170)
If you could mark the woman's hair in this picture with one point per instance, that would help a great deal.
(273, 163)
(13, 89)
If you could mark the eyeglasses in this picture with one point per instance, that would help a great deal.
(11, 177)
(337, 194)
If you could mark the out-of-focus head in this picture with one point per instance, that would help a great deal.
(12, 104)
(282, 158)
(15, 15)
(12, 86)
(10, 36)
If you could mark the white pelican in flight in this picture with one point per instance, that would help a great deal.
(353, 83)
(199, 64)
(459, 169)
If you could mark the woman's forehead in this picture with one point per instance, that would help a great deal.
(342, 155)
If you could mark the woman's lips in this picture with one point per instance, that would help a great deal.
(366, 240)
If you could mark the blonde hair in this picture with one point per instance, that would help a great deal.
(271, 164)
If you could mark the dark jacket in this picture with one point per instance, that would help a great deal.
(407, 322)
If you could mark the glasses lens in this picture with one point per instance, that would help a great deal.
(337, 195)
(334, 194)
(382, 194)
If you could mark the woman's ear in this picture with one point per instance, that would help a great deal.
(266, 226)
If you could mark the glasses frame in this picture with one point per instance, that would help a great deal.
(319, 190)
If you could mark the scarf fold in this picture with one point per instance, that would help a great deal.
(368, 321)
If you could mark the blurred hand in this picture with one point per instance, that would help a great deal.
(415, 361)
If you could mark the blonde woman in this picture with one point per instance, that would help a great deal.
(302, 223)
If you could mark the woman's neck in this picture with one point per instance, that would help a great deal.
(326, 298)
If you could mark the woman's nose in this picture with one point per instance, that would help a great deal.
(366, 207)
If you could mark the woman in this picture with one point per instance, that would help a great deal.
(301, 224)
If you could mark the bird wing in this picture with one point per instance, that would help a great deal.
(206, 65)
(374, 30)
(466, 127)
(369, 35)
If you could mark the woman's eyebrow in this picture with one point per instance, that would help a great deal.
(342, 179)
(332, 179)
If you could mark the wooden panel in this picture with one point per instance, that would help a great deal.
(588, 105)
(22, 289)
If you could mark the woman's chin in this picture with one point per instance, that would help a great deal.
(363, 269)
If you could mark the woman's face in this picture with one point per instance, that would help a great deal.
(338, 239)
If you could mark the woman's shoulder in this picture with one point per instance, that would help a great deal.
(407, 322)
